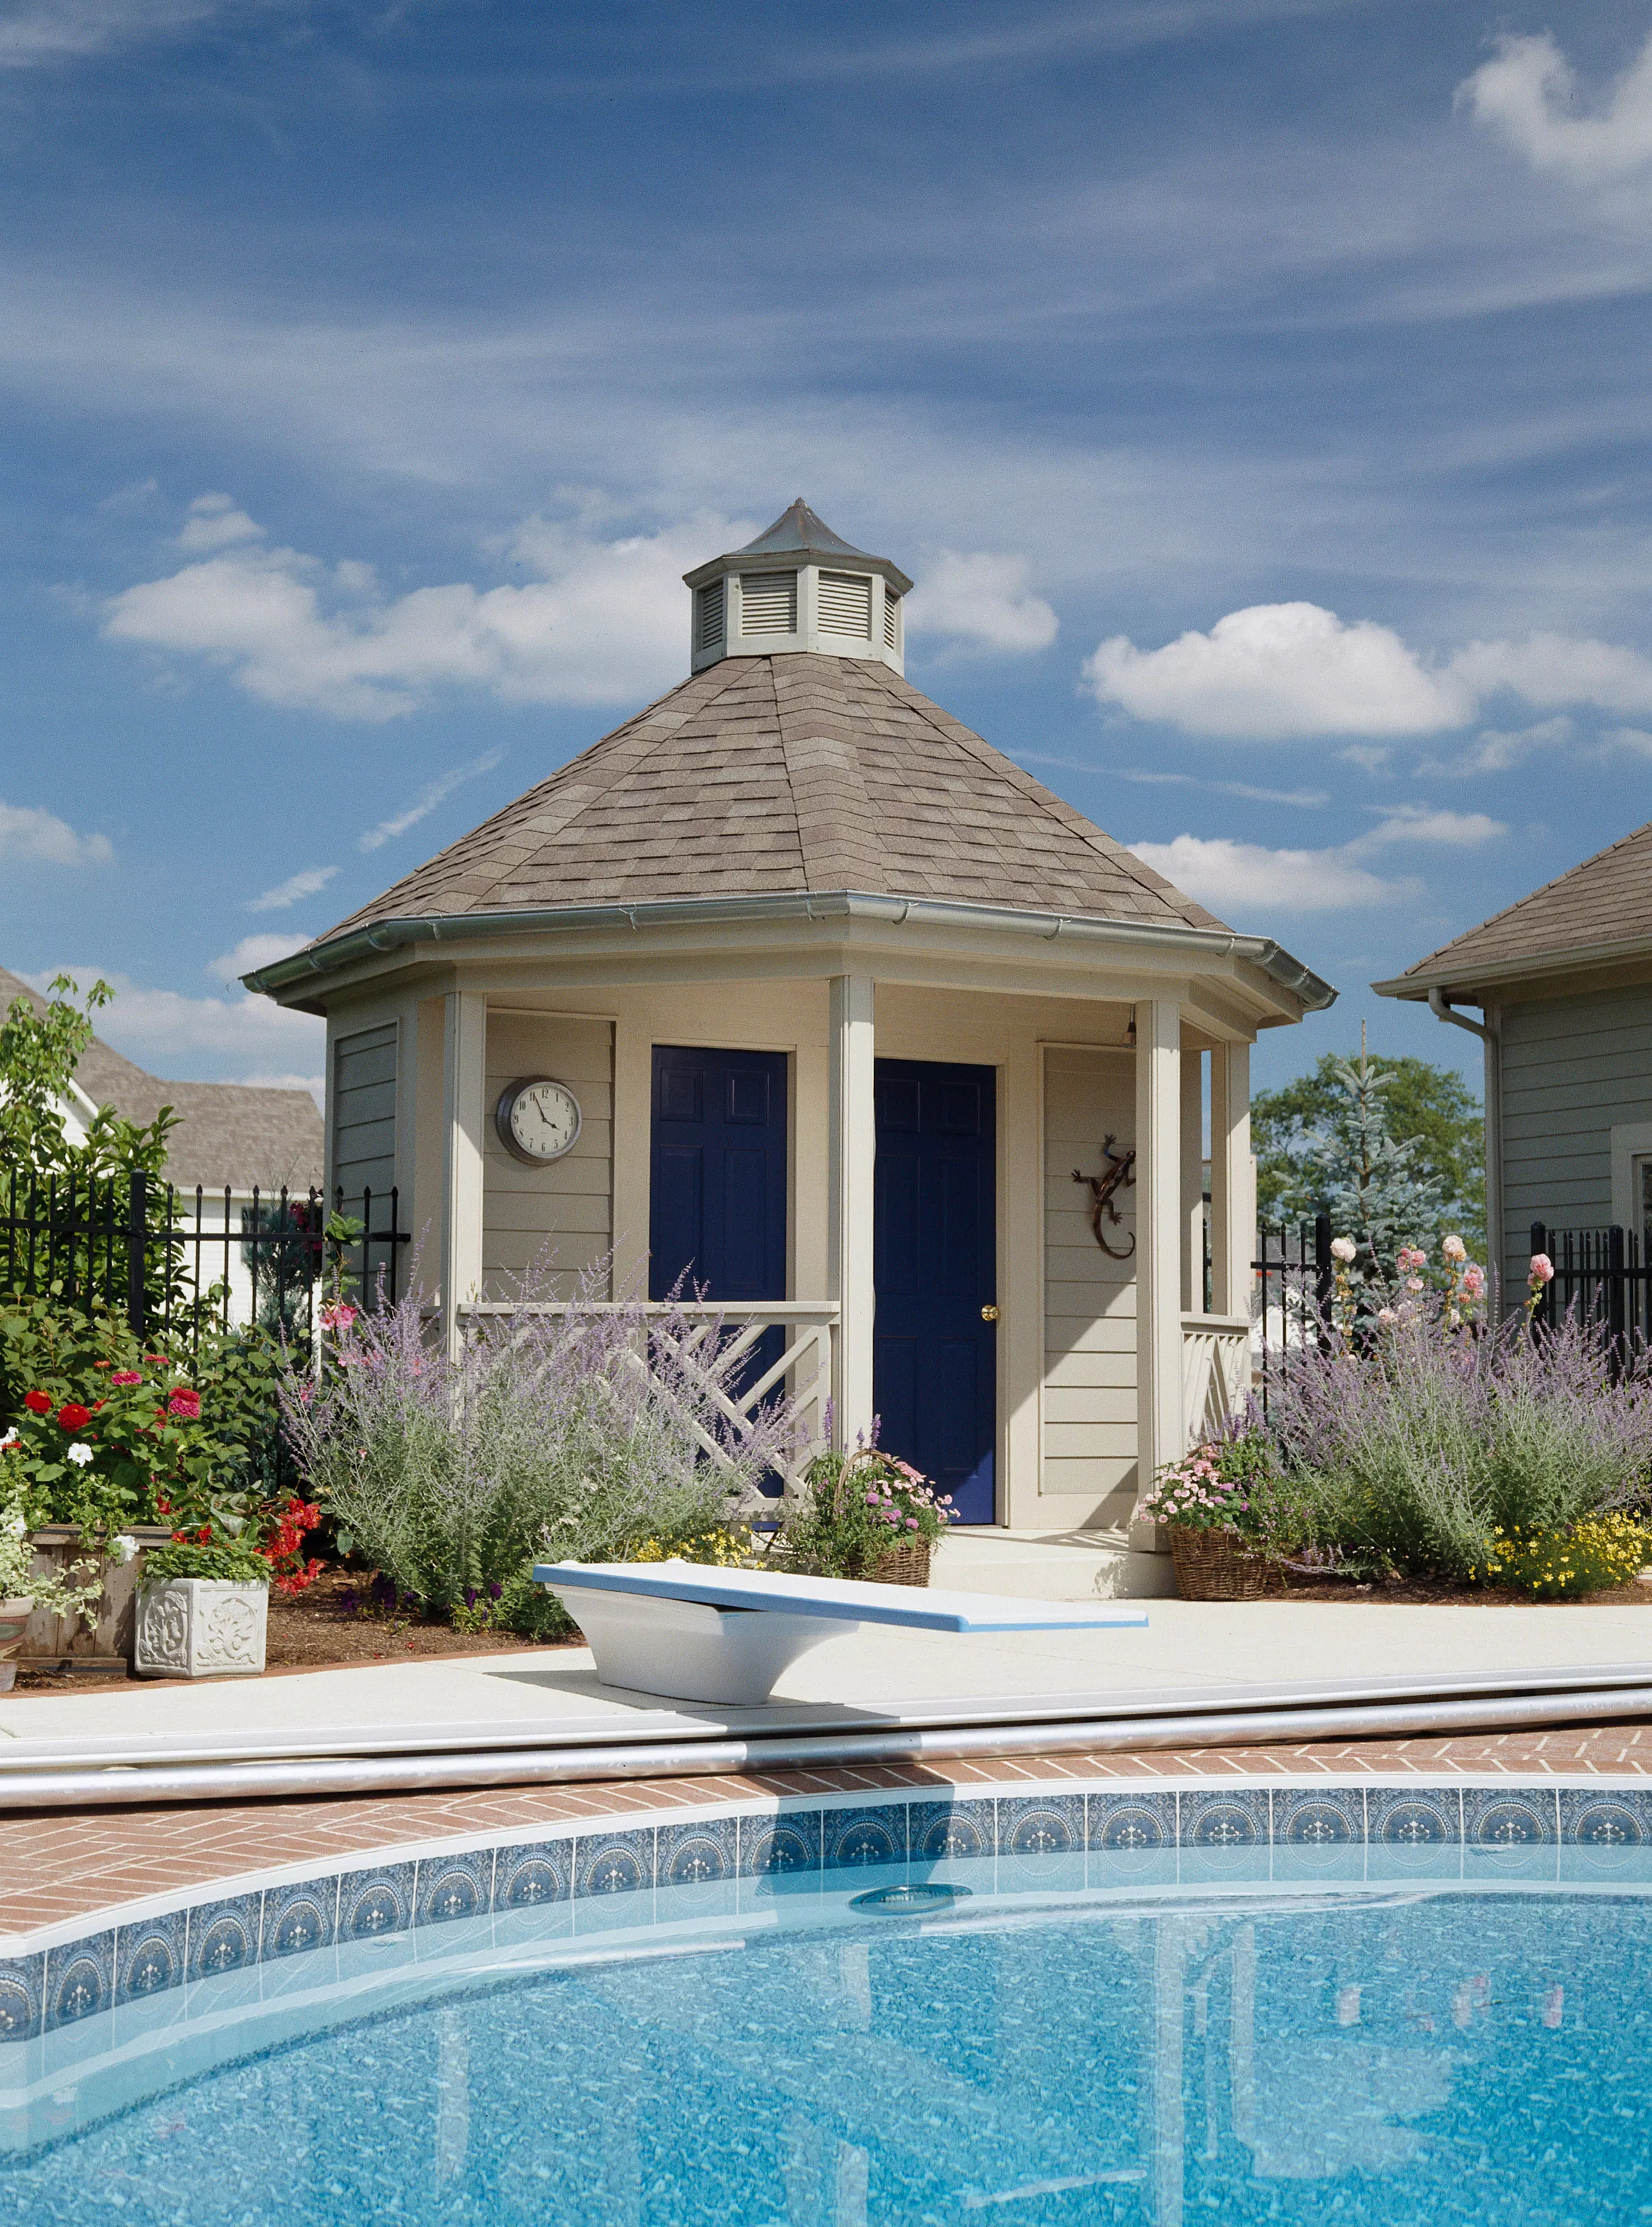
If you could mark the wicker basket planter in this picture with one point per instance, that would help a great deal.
(905, 1564)
(1218, 1566)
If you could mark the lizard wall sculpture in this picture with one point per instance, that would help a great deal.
(1118, 1175)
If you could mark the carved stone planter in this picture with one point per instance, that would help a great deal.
(13, 1620)
(200, 1628)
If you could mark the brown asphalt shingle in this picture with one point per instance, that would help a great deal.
(1608, 899)
(789, 776)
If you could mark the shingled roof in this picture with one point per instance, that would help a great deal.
(240, 1133)
(792, 774)
(1602, 905)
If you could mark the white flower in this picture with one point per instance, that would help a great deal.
(12, 1438)
(121, 1547)
(17, 1528)
(80, 1453)
(1343, 1250)
(1455, 1249)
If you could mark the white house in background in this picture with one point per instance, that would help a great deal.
(793, 984)
(232, 1138)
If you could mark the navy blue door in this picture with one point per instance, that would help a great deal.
(935, 1361)
(717, 1196)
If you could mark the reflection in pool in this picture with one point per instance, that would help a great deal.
(1363, 2058)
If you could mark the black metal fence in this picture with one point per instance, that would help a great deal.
(1294, 1283)
(1601, 1275)
(180, 1259)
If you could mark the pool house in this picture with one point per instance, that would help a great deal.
(795, 986)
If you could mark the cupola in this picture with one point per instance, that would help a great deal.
(799, 586)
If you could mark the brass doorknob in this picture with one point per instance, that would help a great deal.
(989, 1314)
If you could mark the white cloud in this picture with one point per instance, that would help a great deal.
(608, 623)
(1634, 740)
(982, 601)
(252, 952)
(1549, 670)
(27, 832)
(1416, 823)
(1530, 93)
(237, 1039)
(1496, 750)
(1281, 670)
(433, 792)
(215, 522)
(1237, 879)
(293, 890)
(53, 30)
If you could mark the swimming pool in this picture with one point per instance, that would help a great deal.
(1371, 2031)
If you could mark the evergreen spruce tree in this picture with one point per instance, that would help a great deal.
(1375, 1188)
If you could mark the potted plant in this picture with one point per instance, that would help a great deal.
(24, 1587)
(203, 1608)
(1215, 1503)
(863, 1514)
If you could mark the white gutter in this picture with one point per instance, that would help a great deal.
(327, 957)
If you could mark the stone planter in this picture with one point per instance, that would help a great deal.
(14, 1619)
(105, 1643)
(200, 1628)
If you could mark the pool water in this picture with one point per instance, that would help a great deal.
(1365, 2059)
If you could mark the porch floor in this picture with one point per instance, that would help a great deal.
(1043, 1565)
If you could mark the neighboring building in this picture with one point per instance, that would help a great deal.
(1564, 983)
(793, 983)
(231, 1138)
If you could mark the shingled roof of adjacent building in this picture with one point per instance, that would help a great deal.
(792, 774)
(240, 1133)
(1606, 902)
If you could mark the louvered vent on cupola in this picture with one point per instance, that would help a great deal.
(891, 620)
(768, 603)
(844, 605)
(708, 617)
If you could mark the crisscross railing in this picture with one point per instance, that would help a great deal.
(709, 1341)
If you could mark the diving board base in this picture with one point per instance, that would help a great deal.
(692, 1651)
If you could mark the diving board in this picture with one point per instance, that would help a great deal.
(697, 1633)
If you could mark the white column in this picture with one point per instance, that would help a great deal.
(1192, 1181)
(465, 1081)
(852, 1150)
(1160, 1428)
(1233, 1181)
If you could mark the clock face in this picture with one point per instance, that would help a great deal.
(539, 1119)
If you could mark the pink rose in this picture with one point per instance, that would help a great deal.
(1542, 1268)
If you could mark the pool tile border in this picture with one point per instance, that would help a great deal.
(1475, 1828)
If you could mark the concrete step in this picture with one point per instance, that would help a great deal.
(1050, 1565)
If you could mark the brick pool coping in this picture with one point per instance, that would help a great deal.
(60, 1867)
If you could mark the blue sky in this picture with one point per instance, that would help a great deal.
(1256, 390)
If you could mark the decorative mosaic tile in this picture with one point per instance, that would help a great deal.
(533, 1874)
(939, 1831)
(453, 1886)
(1401, 1817)
(374, 1902)
(1041, 1824)
(780, 1847)
(22, 1990)
(299, 1917)
(224, 1935)
(150, 1958)
(1318, 1817)
(852, 1839)
(1131, 1824)
(615, 1863)
(79, 1980)
(1508, 1817)
(694, 1854)
(1236, 1817)
(1620, 1817)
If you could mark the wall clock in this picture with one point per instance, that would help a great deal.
(538, 1118)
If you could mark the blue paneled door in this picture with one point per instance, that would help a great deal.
(935, 1359)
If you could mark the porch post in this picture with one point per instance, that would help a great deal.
(1160, 1244)
(464, 1082)
(1192, 1181)
(1233, 1201)
(852, 1148)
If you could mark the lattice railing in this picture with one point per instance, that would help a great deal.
(1216, 1371)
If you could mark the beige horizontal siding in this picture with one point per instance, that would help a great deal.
(562, 1213)
(364, 1115)
(1087, 1407)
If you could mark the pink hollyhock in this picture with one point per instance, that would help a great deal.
(1542, 1268)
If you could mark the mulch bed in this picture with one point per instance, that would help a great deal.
(316, 1632)
(1410, 1593)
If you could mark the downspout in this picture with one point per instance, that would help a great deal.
(1491, 1043)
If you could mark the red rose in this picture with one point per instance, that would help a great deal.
(184, 1403)
(38, 1403)
(72, 1416)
